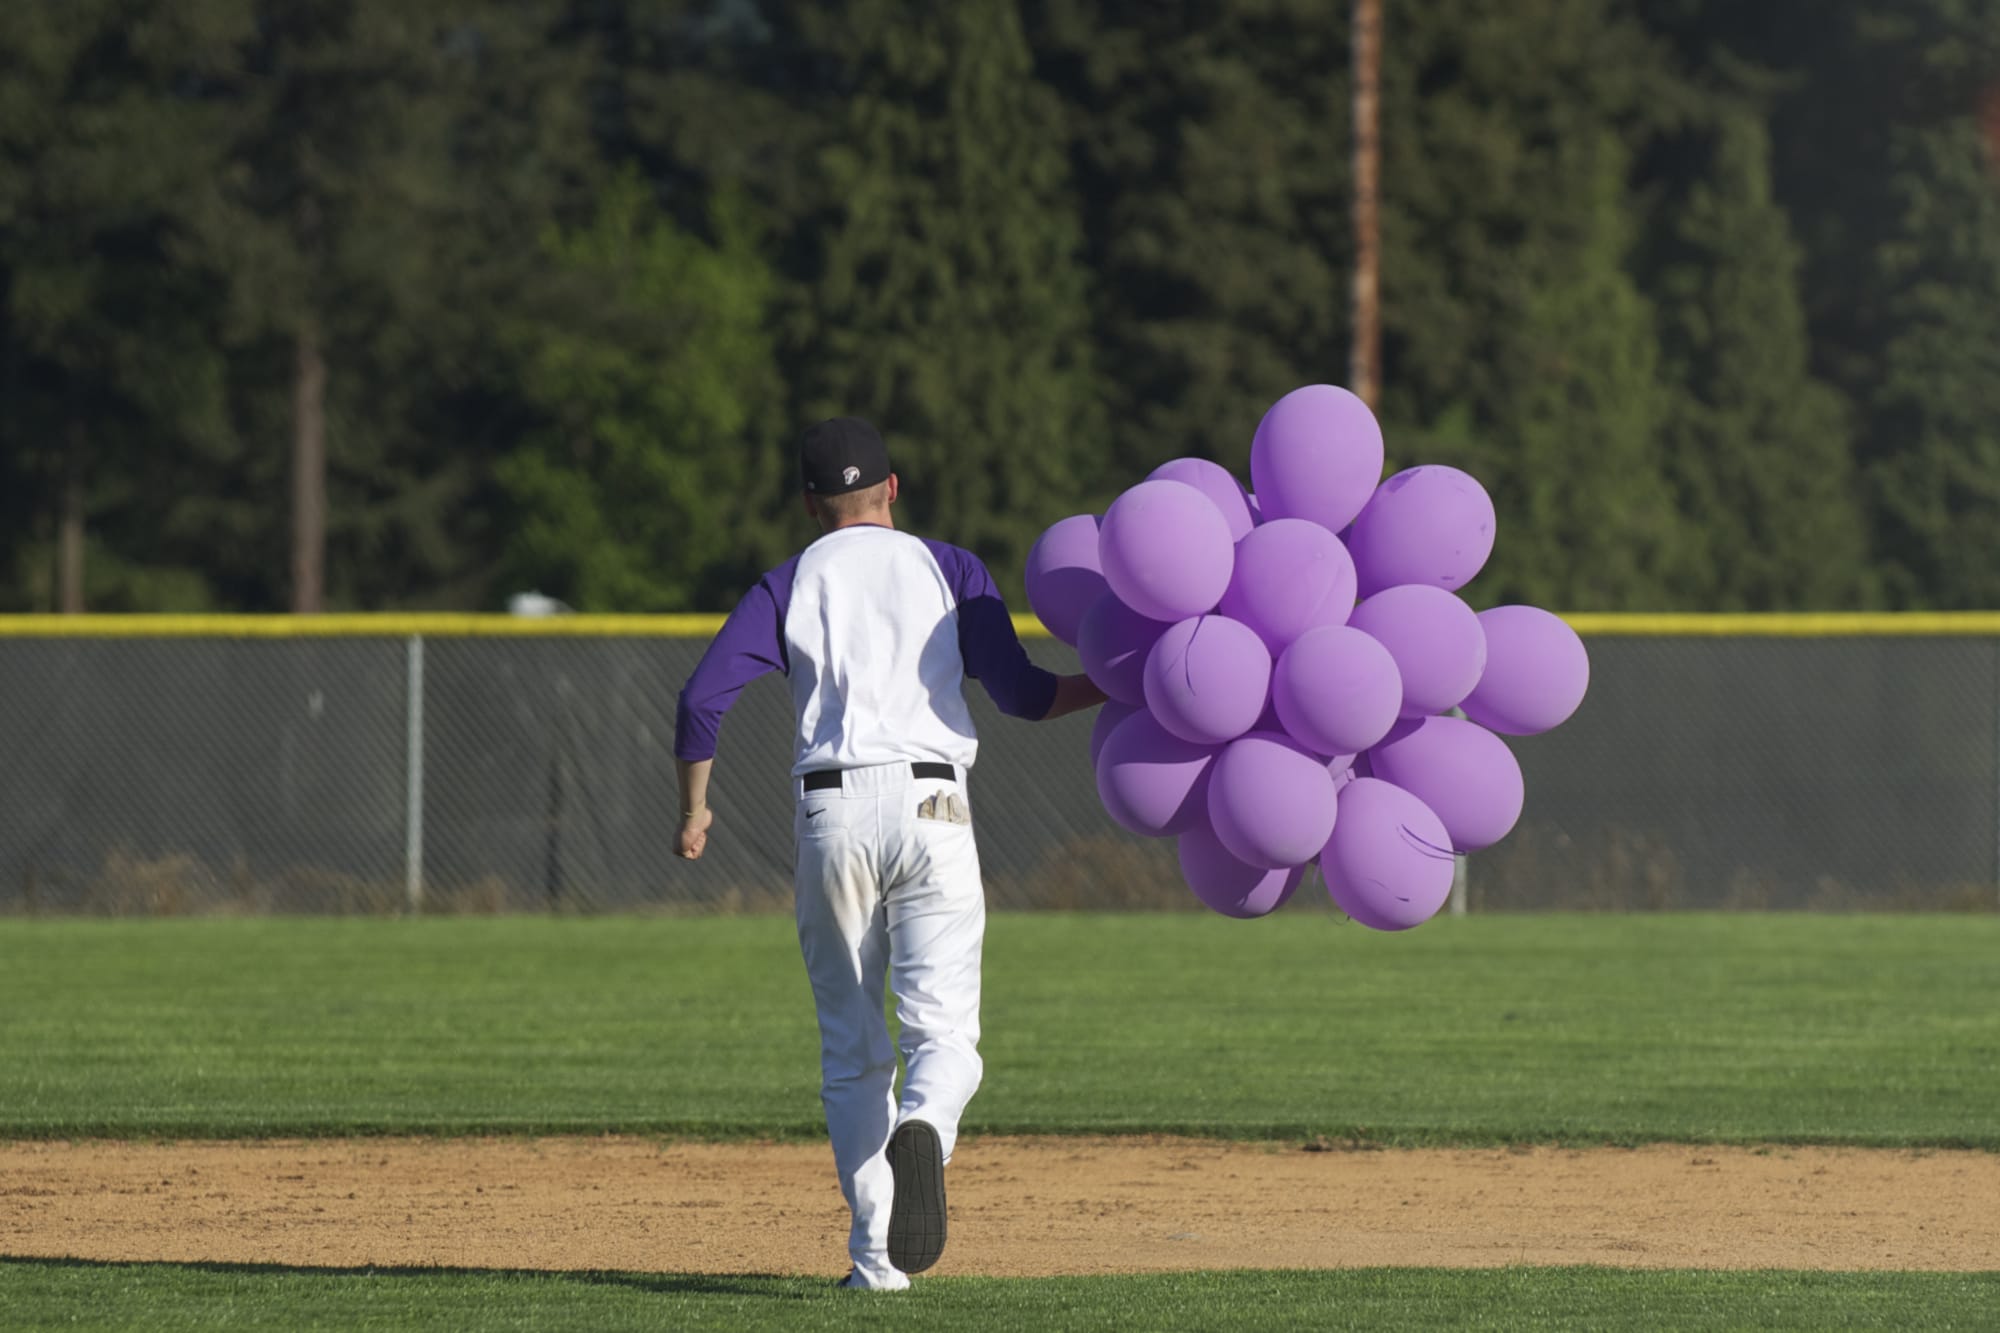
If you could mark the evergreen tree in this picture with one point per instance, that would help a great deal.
(1517, 343)
(1879, 163)
(1760, 449)
(723, 107)
(948, 302)
(645, 486)
(1703, 291)
(106, 333)
(711, 95)
(386, 169)
(1211, 152)
(1938, 397)
(1575, 442)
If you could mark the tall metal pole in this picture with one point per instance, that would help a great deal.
(1365, 359)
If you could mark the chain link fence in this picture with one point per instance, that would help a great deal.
(496, 771)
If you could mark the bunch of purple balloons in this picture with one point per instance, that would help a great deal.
(1280, 663)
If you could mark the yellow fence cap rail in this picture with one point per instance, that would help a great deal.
(443, 625)
(367, 626)
(1906, 624)
(1790, 624)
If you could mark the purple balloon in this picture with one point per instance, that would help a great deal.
(1151, 781)
(1227, 885)
(1337, 690)
(1214, 481)
(1269, 801)
(1166, 550)
(1389, 862)
(1112, 642)
(1435, 638)
(1207, 679)
(1317, 455)
(1463, 772)
(1536, 672)
(1063, 575)
(1291, 576)
(1425, 525)
(1109, 715)
(1256, 510)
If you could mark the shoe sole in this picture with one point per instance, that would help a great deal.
(916, 1217)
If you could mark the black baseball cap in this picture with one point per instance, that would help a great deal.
(842, 455)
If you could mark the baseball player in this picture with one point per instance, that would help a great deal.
(877, 631)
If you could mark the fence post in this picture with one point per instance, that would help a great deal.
(413, 778)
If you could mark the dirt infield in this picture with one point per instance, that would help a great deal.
(1019, 1206)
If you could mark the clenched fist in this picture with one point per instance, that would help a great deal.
(694, 833)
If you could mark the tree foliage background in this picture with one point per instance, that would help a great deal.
(1707, 293)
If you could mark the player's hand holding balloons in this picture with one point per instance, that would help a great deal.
(1264, 716)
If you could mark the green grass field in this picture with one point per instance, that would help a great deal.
(38, 1295)
(1832, 1029)
(1835, 1029)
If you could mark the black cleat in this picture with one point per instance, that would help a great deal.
(916, 1218)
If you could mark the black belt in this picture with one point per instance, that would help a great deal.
(829, 778)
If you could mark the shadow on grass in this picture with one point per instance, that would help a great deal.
(772, 1286)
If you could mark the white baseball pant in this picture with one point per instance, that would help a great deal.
(884, 894)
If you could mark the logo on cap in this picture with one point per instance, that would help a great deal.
(848, 476)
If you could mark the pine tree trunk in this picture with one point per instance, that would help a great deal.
(1365, 358)
(70, 527)
(309, 471)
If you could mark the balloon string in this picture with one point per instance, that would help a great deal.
(1423, 844)
(1187, 655)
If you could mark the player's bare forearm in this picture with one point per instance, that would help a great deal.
(1073, 694)
(695, 814)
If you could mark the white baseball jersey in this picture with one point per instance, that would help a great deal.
(877, 631)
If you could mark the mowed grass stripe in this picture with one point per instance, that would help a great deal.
(1836, 1029)
(51, 1294)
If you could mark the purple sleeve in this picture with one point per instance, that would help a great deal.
(986, 639)
(751, 643)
